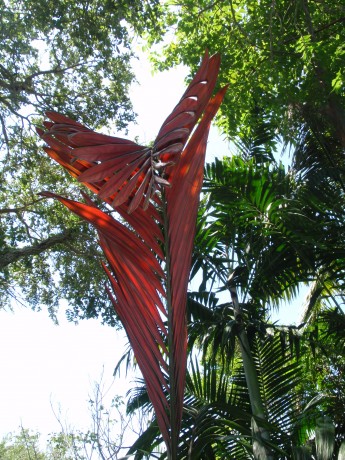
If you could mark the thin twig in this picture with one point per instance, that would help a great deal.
(21, 208)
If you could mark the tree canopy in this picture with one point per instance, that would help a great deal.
(285, 57)
(283, 62)
(72, 57)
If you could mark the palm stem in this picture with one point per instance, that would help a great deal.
(259, 433)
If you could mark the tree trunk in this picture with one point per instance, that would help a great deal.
(259, 433)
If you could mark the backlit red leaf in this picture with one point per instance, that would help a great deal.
(149, 301)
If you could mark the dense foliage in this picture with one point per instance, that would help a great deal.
(285, 57)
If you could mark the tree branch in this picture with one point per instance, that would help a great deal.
(4, 132)
(12, 255)
(21, 208)
(55, 70)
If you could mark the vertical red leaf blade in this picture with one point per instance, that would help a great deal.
(182, 207)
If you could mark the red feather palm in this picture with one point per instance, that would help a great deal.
(149, 262)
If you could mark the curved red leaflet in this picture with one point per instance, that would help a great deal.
(181, 120)
(99, 171)
(172, 136)
(126, 240)
(143, 173)
(62, 119)
(85, 139)
(75, 169)
(142, 191)
(116, 181)
(55, 143)
(106, 152)
(171, 149)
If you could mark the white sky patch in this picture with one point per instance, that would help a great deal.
(43, 363)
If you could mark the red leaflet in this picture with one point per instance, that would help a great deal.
(83, 139)
(181, 119)
(106, 152)
(102, 170)
(115, 182)
(155, 250)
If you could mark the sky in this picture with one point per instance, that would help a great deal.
(45, 366)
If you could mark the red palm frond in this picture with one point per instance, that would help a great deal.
(149, 301)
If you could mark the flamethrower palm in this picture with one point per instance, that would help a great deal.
(156, 191)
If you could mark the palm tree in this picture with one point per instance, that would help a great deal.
(260, 234)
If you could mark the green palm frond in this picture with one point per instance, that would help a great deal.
(225, 415)
(260, 140)
(212, 330)
(319, 160)
(216, 417)
(334, 323)
(279, 377)
(220, 424)
(255, 213)
(138, 398)
(148, 445)
(209, 258)
(222, 388)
